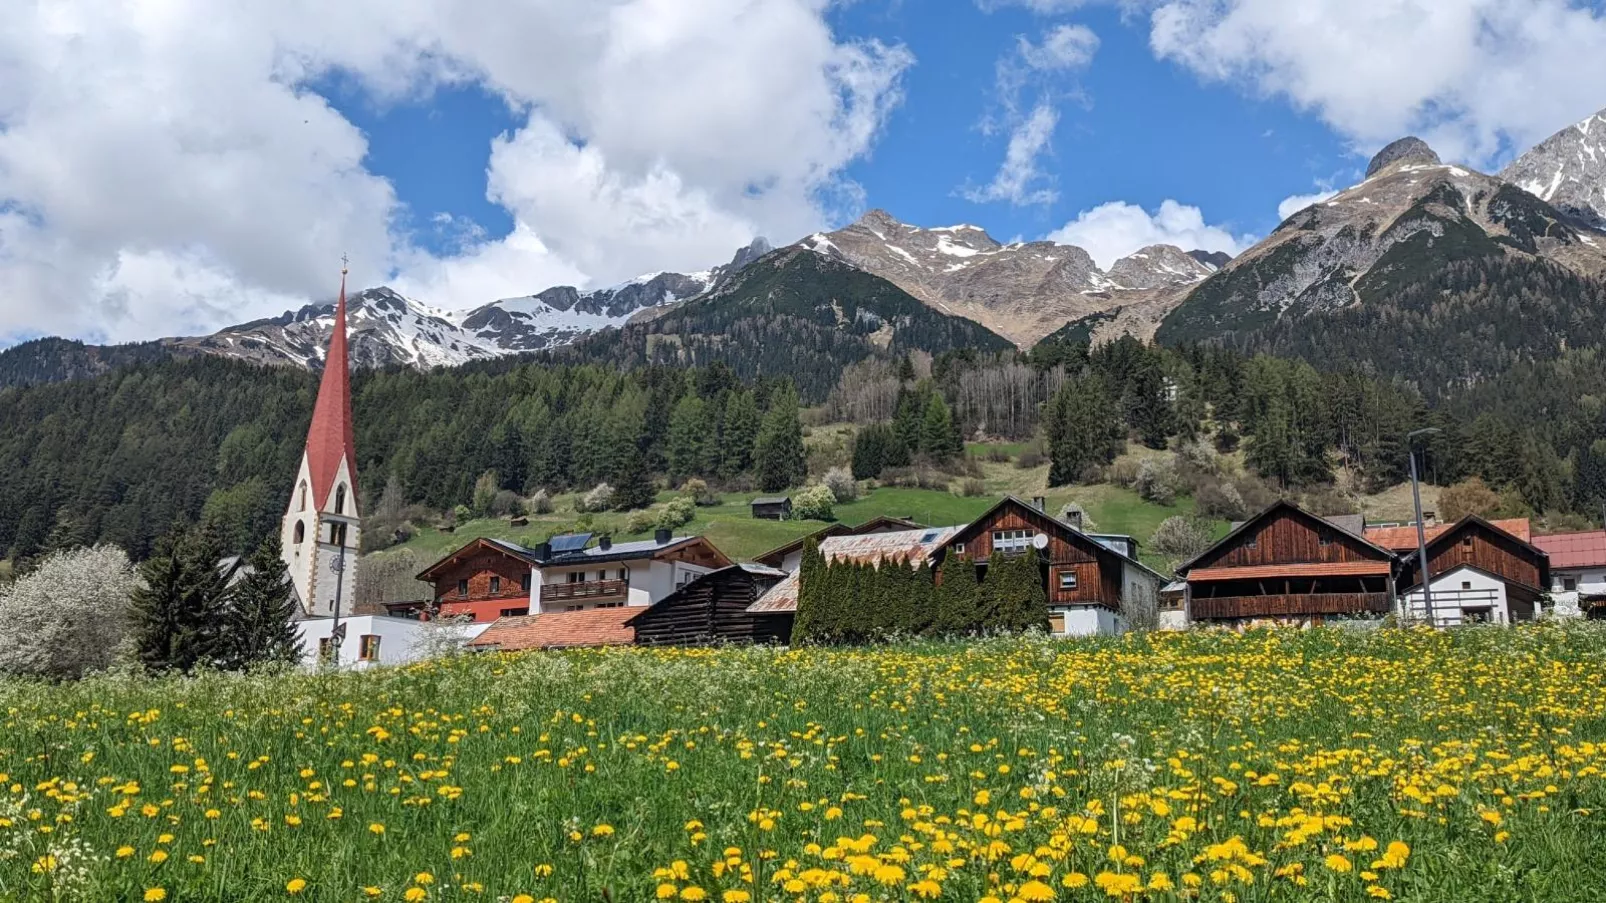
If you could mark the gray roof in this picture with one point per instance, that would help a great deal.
(619, 551)
(772, 500)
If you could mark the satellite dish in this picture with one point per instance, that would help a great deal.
(1040, 541)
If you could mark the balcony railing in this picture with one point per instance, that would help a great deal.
(590, 589)
(1291, 604)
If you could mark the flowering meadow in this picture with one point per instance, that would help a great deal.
(1467, 765)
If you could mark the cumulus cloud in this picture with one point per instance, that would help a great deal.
(1476, 78)
(1031, 66)
(1296, 202)
(1111, 231)
(167, 168)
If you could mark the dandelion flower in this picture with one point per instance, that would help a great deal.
(414, 894)
(295, 885)
(155, 894)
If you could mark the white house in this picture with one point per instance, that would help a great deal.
(372, 640)
(1466, 595)
(1577, 570)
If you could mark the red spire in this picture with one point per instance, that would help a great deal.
(330, 437)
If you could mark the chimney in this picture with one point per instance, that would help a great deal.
(1430, 518)
(543, 551)
(661, 536)
(1039, 503)
(605, 543)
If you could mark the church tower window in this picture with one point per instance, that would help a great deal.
(300, 533)
(340, 500)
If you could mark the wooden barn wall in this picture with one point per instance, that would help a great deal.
(1288, 538)
(713, 609)
(478, 568)
(1098, 578)
(1488, 550)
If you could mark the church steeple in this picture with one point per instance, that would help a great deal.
(330, 438)
(320, 533)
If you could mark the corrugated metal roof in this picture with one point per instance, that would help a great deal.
(560, 630)
(902, 546)
(1313, 569)
(1403, 539)
(1574, 550)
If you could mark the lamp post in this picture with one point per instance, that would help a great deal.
(1421, 531)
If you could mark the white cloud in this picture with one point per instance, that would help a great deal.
(164, 168)
(1064, 47)
(1111, 231)
(1475, 78)
(1296, 202)
(1019, 173)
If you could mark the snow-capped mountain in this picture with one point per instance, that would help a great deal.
(387, 328)
(1412, 215)
(1021, 290)
(1568, 169)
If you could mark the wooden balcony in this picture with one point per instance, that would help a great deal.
(590, 589)
(1287, 605)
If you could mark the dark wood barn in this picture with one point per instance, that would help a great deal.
(1287, 564)
(1477, 543)
(713, 609)
(772, 507)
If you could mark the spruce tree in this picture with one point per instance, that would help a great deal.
(177, 613)
(993, 593)
(737, 435)
(809, 623)
(938, 439)
(956, 598)
(260, 622)
(778, 454)
(632, 487)
(690, 434)
(870, 451)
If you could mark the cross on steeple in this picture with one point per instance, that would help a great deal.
(344, 260)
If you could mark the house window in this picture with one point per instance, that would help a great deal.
(1466, 541)
(1011, 542)
(462, 587)
(337, 534)
(326, 649)
(957, 548)
(610, 605)
(1324, 538)
(1476, 615)
(1466, 584)
(524, 583)
(602, 575)
(301, 497)
(1171, 602)
(573, 607)
(1067, 580)
(1252, 542)
(1056, 622)
(496, 585)
(621, 573)
(515, 612)
(340, 500)
(577, 576)
(1569, 584)
(368, 648)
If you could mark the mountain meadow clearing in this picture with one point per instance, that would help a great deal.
(1331, 764)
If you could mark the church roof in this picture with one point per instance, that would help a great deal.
(330, 437)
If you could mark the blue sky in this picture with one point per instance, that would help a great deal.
(175, 168)
(1132, 129)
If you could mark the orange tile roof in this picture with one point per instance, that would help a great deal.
(1401, 539)
(1574, 550)
(560, 630)
(1313, 569)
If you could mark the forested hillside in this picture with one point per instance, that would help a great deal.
(791, 313)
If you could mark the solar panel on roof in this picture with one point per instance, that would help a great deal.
(569, 542)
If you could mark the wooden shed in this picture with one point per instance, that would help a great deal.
(772, 507)
(713, 609)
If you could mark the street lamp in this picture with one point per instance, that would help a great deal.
(1421, 531)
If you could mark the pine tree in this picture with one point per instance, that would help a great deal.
(909, 417)
(738, 434)
(937, 436)
(870, 449)
(809, 625)
(177, 614)
(260, 622)
(632, 487)
(690, 435)
(1081, 429)
(778, 454)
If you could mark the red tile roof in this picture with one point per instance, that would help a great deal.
(1574, 550)
(330, 436)
(560, 630)
(1313, 569)
(1403, 539)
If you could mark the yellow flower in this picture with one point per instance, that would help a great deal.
(926, 890)
(158, 856)
(295, 885)
(1074, 880)
(376, 828)
(423, 878)
(373, 891)
(736, 896)
(1337, 863)
(414, 894)
(693, 894)
(602, 831)
(665, 891)
(1381, 893)
(123, 852)
(44, 865)
(1035, 892)
(522, 898)
(155, 894)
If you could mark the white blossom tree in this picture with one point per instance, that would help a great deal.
(68, 616)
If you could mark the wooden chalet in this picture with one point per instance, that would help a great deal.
(1482, 571)
(484, 580)
(788, 557)
(1287, 565)
(772, 507)
(1084, 579)
(714, 609)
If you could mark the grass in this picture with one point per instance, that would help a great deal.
(1333, 764)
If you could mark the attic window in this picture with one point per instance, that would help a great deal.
(1466, 541)
(1325, 538)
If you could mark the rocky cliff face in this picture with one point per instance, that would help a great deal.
(1021, 290)
(1412, 215)
(1568, 170)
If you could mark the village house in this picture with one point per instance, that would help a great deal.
(1085, 577)
(789, 557)
(489, 579)
(581, 629)
(1577, 572)
(1288, 566)
(1483, 571)
(369, 640)
(926, 544)
(715, 608)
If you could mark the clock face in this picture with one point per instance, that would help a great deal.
(337, 564)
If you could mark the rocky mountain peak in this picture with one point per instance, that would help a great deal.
(1156, 266)
(757, 248)
(1408, 148)
(1568, 170)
